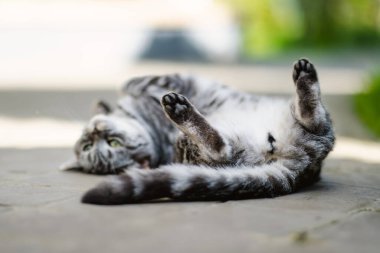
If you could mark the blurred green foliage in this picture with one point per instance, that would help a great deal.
(367, 104)
(270, 26)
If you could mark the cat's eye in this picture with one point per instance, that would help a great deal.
(87, 147)
(115, 143)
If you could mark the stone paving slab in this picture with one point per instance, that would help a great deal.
(40, 212)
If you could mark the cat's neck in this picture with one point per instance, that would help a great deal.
(149, 112)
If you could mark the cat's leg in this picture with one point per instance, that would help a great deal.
(309, 110)
(192, 123)
(158, 85)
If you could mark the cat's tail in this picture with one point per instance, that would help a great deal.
(191, 182)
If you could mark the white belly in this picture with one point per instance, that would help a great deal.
(253, 123)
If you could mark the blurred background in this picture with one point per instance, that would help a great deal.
(58, 56)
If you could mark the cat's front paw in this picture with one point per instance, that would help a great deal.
(304, 69)
(176, 107)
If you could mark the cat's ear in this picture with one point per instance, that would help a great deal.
(71, 164)
(102, 107)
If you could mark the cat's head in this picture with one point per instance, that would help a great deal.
(110, 143)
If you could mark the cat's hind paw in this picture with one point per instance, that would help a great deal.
(303, 68)
(177, 107)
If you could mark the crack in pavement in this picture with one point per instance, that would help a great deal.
(303, 236)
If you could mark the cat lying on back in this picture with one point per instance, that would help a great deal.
(216, 143)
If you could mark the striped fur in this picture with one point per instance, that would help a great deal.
(191, 182)
(229, 145)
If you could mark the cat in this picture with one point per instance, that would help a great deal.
(229, 144)
(136, 133)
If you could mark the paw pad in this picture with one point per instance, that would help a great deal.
(304, 67)
(176, 106)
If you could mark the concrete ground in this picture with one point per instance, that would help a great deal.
(40, 209)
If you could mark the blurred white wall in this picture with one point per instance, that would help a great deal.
(67, 43)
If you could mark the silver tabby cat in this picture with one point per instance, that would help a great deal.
(214, 143)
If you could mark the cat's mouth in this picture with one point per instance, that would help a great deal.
(121, 168)
(145, 164)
